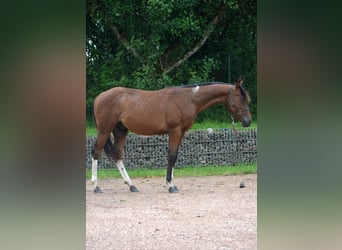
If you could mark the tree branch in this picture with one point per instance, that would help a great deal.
(198, 45)
(170, 49)
(123, 40)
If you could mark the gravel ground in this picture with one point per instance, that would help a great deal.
(207, 213)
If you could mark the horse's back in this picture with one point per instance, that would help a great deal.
(114, 95)
(138, 110)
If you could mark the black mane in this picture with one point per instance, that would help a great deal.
(197, 84)
(244, 93)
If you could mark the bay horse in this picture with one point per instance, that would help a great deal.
(171, 111)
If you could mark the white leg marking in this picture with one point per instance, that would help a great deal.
(123, 172)
(94, 171)
(195, 89)
(171, 182)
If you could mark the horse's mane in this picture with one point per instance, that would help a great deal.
(196, 84)
(244, 93)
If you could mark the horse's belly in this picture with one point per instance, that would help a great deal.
(145, 127)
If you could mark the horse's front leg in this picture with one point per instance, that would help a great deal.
(174, 142)
(172, 157)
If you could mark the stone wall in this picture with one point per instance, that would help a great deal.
(198, 148)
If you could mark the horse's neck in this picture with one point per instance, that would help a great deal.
(211, 95)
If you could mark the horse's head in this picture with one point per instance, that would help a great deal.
(238, 102)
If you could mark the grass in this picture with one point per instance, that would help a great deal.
(219, 125)
(197, 126)
(91, 131)
(179, 172)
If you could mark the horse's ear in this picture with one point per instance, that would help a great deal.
(239, 82)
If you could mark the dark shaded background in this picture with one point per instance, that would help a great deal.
(42, 130)
(299, 138)
(43, 125)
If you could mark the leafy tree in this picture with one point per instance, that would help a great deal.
(150, 44)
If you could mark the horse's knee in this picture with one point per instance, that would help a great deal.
(95, 154)
(172, 157)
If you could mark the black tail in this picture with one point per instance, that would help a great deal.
(94, 115)
(109, 148)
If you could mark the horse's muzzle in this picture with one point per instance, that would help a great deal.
(245, 122)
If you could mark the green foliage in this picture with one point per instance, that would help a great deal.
(204, 69)
(135, 43)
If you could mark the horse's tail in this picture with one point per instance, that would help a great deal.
(109, 148)
(94, 114)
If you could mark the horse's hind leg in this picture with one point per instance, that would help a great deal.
(96, 153)
(120, 134)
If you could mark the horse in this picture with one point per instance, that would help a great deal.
(171, 111)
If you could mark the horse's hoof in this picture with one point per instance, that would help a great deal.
(173, 189)
(133, 189)
(97, 190)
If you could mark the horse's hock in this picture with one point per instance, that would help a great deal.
(198, 148)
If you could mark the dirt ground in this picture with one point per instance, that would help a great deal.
(207, 213)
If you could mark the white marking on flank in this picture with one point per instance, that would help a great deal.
(195, 89)
(94, 171)
(123, 172)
